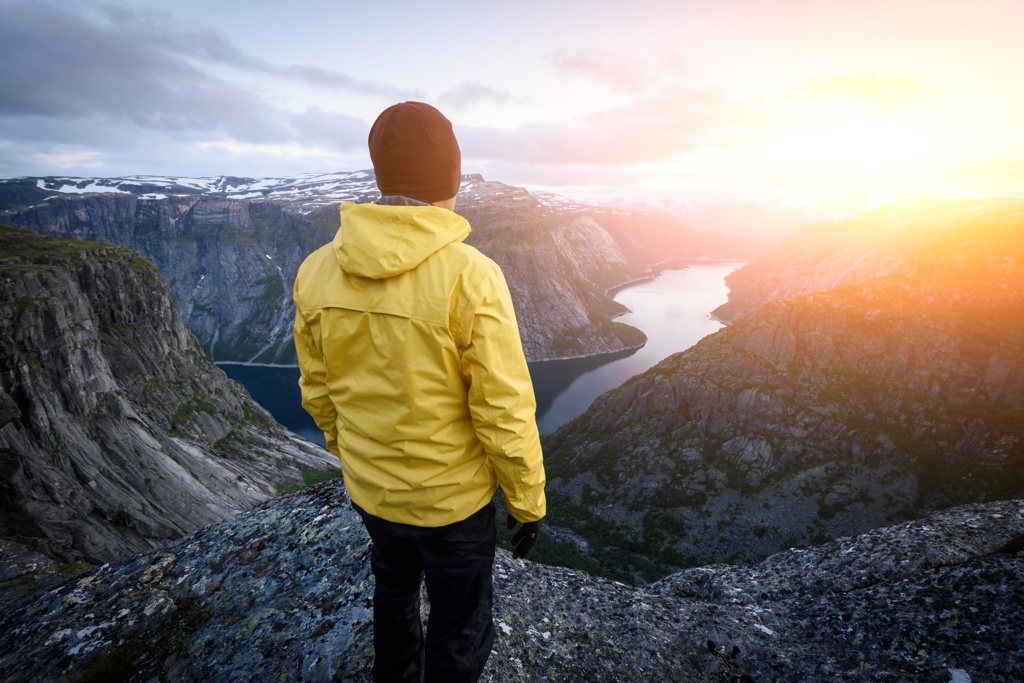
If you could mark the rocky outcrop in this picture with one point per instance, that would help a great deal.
(229, 263)
(229, 251)
(821, 257)
(811, 418)
(117, 433)
(284, 592)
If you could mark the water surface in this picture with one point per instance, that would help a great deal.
(672, 309)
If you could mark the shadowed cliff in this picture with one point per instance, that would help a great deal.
(116, 432)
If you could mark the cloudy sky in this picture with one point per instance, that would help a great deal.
(589, 98)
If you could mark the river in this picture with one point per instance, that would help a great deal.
(672, 309)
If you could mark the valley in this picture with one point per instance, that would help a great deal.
(811, 417)
(229, 252)
(828, 487)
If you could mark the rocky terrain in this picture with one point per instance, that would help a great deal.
(117, 433)
(810, 418)
(824, 256)
(229, 249)
(284, 592)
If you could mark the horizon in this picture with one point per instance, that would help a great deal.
(796, 101)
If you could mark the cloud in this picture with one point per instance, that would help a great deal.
(468, 93)
(114, 65)
(339, 130)
(617, 70)
(880, 92)
(71, 158)
(160, 29)
(676, 122)
(673, 122)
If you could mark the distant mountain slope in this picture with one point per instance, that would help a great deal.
(811, 417)
(229, 249)
(116, 432)
(824, 256)
(283, 592)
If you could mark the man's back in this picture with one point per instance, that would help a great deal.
(410, 309)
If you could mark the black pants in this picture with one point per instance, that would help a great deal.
(456, 561)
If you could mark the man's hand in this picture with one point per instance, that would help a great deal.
(524, 539)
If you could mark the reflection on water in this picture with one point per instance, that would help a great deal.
(672, 310)
(276, 388)
(552, 378)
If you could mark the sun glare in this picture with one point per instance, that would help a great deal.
(855, 152)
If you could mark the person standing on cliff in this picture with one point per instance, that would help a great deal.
(412, 365)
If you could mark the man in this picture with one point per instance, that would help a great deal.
(413, 367)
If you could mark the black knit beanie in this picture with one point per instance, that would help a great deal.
(415, 153)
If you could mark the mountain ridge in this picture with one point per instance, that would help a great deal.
(230, 261)
(810, 418)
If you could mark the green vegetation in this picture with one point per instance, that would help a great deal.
(253, 417)
(186, 410)
(21, 249)
(310, 478)
(227, 441)
(25, 303)
(271, 285)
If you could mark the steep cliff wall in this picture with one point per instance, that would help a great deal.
(810, 418)
(558, 265)
(116, 432)
(230, 262)
(283, 592)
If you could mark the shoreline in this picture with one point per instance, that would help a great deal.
(656, 269)
(653, 271)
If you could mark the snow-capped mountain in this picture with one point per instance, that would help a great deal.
(310, 190)
(305, 193)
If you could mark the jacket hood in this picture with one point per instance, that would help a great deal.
(379, 242)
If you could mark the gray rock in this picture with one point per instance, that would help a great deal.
(124, 435)
(880, 406)
(230, 250)
(283, 592)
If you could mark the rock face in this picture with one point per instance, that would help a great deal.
(810, 418)
(825, 256)
(117, 433)
(229, 251)
(230, 264)
(284, 592)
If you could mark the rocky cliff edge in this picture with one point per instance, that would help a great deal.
(117, 434)
(284, 592)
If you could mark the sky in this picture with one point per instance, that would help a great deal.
(688, 99)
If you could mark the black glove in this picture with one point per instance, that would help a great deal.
(524, 539)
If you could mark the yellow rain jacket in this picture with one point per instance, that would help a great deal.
(413, 367)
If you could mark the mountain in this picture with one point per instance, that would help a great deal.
(823, 256)
(810, 418)
(284, 592)
(229, 249)
(117, 433)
